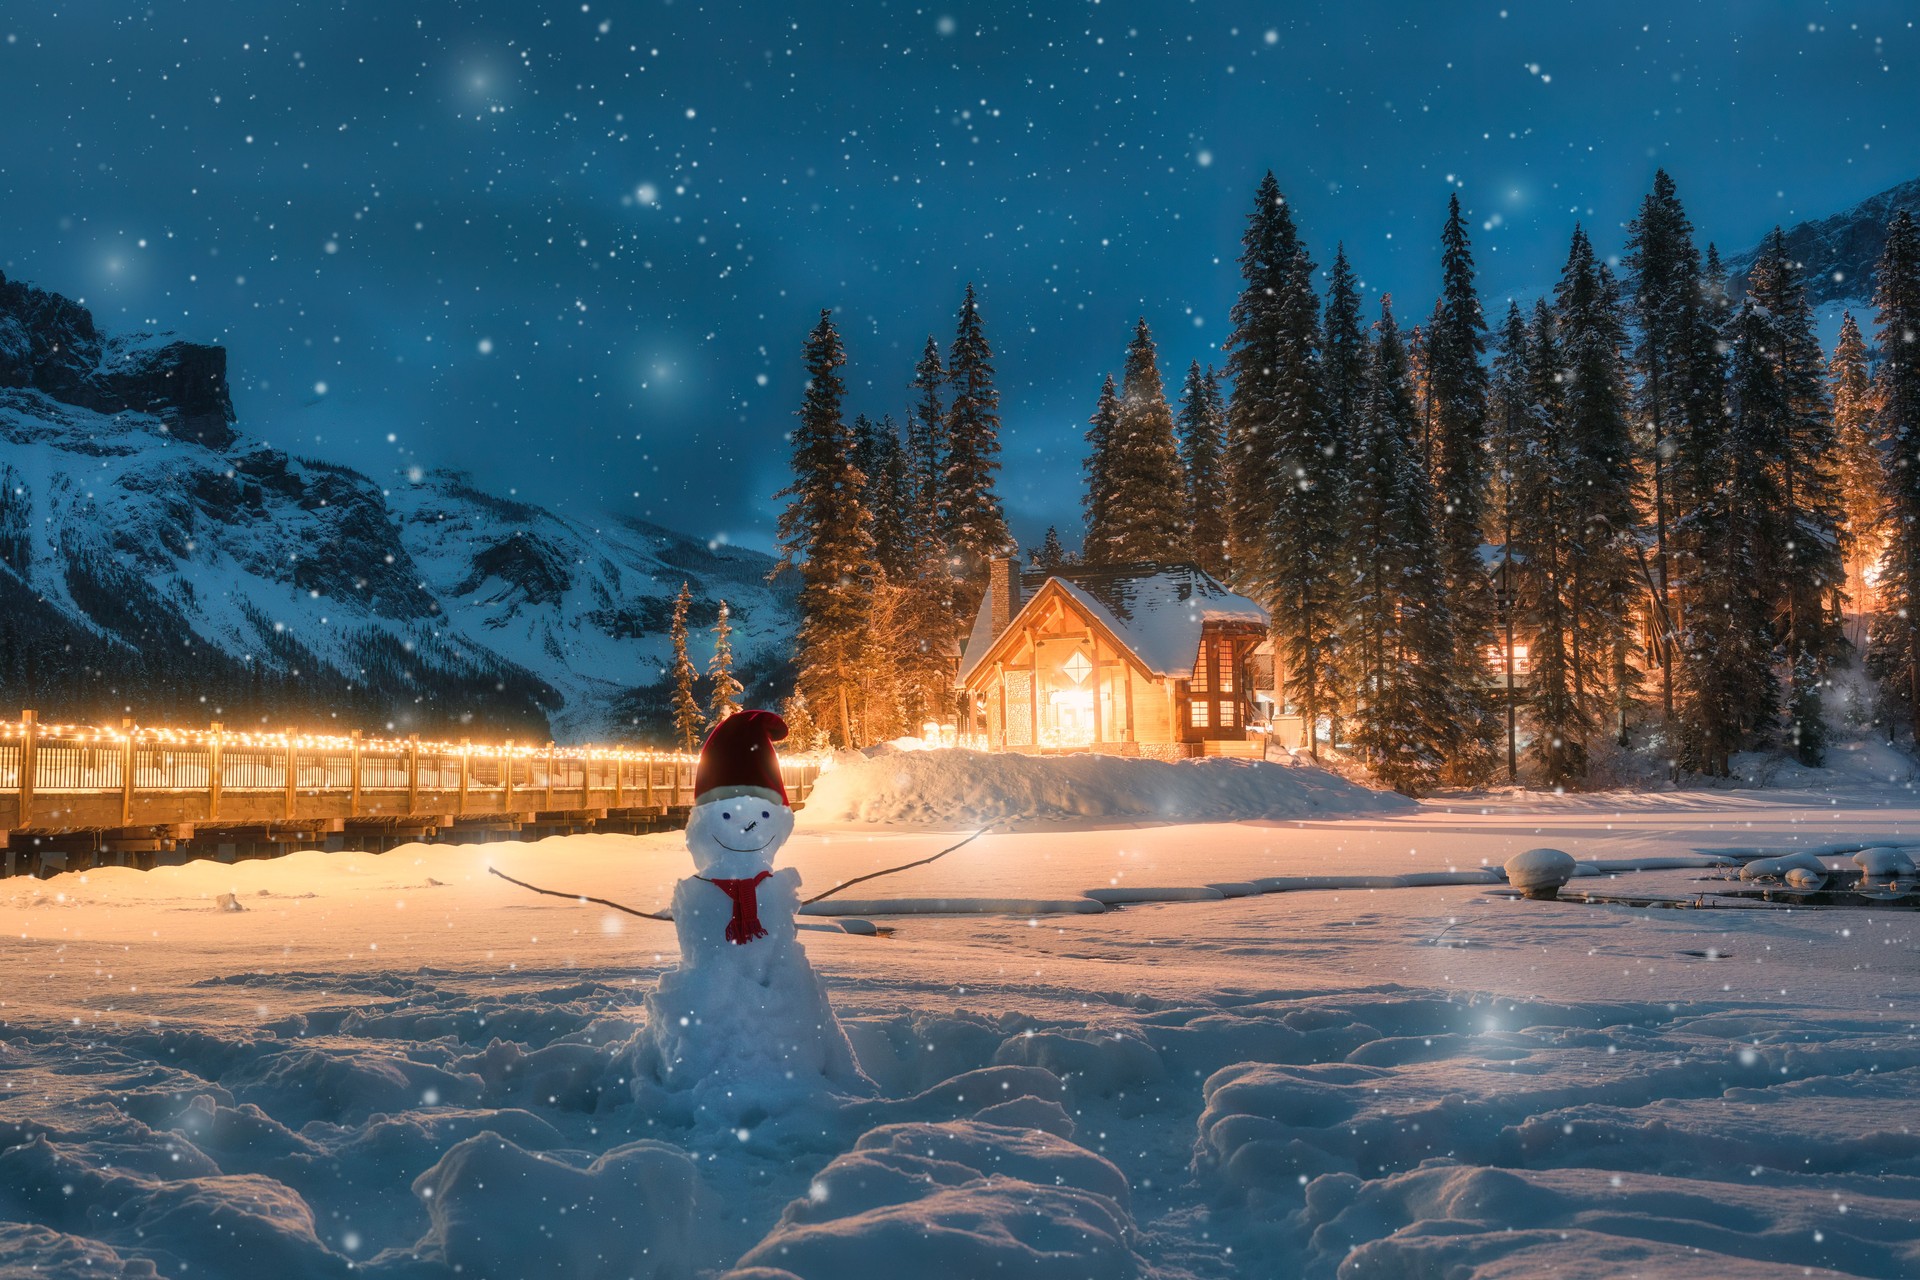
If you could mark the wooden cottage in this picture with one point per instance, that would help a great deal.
(1135, 659)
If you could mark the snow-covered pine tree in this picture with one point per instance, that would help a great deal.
(1266, 360)
(1728, 691)
(687, 720)
(1399, 635)
(1457, 407)
(1605, 572)
(889, 494)
(927, 433)
(1805, 580)
(1545, 525)
(1895, 644)
(1145, 502)
(1052, 554)
(723, 691)
(1862, 467)
(1286, 459)
(826, 532)
(975, 525)
(1096, 502)
(1343, 363)
(1511, 433)
(1202, 436)
(1678, 376)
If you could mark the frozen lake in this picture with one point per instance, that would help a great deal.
(1430, 1080)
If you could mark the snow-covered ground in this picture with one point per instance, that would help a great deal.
(403, 1066)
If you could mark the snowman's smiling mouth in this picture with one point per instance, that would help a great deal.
(752, 848)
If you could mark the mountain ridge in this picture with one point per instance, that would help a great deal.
(183, 570)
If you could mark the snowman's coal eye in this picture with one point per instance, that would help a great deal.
(726, 817)
(766, 813)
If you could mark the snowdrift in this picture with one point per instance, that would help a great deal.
(953, 788)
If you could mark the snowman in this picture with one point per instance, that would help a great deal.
(743, 1017)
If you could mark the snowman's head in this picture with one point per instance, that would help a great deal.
(738, 835)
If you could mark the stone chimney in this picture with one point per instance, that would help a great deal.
(1003, 591)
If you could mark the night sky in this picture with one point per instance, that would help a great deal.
(575, 248)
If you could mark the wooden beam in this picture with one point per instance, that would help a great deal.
(465, 756)
(413, 773)
(353, 754)
(29, 764)
(126, 771)
(213, 773)
(293, 777)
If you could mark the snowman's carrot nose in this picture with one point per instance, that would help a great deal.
(750, 826)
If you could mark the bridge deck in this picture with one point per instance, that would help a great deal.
(71, 790)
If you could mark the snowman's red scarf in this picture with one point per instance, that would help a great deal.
(745, 925)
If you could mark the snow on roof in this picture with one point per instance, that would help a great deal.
(1156, 610)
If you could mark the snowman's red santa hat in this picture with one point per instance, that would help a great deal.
(738, 759)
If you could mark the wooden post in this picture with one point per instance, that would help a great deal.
(126, 771)
(550, 759)
(1098, 724)
(413, 774)
(1033, 689)
(353, 752)
(506, 777)
(1128, 673)
(646, 789)
(464, 755)
(213, 773)
(29, 750)
(619, 782)
(293, 775)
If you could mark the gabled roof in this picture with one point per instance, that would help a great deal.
(1156, 610)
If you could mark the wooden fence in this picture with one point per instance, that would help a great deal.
(142, 790)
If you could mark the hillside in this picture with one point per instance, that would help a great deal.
(193, 573)
(1839, 252)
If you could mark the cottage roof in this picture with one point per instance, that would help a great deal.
(1156, 609)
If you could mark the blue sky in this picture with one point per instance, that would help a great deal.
(575, 248)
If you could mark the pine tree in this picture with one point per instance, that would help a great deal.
(1895, 644)
(1679, 372)
(1399, 633)
(1265, 361)
(1805, 573)
(889, 494)
(1728, 687)
(723, 697)
(975, 526)
(1511, 422)
(1545, 533)
(1457, 394)
(1096, 502)
(687, 720)
(1286, 460)
(826, 532)
(926, 434)
(1600, 478)
(1144, 503)
(1051, 555)
(1344, 363)
(1861, 469)
(1203, 421)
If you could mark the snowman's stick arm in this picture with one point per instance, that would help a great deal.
(908, 866)
(581, 897)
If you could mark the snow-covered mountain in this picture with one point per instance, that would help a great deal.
(1839, 253)
(154, 560)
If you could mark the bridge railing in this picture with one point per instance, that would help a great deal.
(57, 778)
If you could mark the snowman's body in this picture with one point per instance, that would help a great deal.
(746, 1020)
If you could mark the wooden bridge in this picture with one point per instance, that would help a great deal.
(73, 796)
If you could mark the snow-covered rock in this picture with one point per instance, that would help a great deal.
(1776, 868)
(1540, 873)
(1884, 864)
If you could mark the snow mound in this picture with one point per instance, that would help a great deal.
(956, 788)
(956, 1201)
(636, 1211)
(1779, 868)
(1884, 864)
